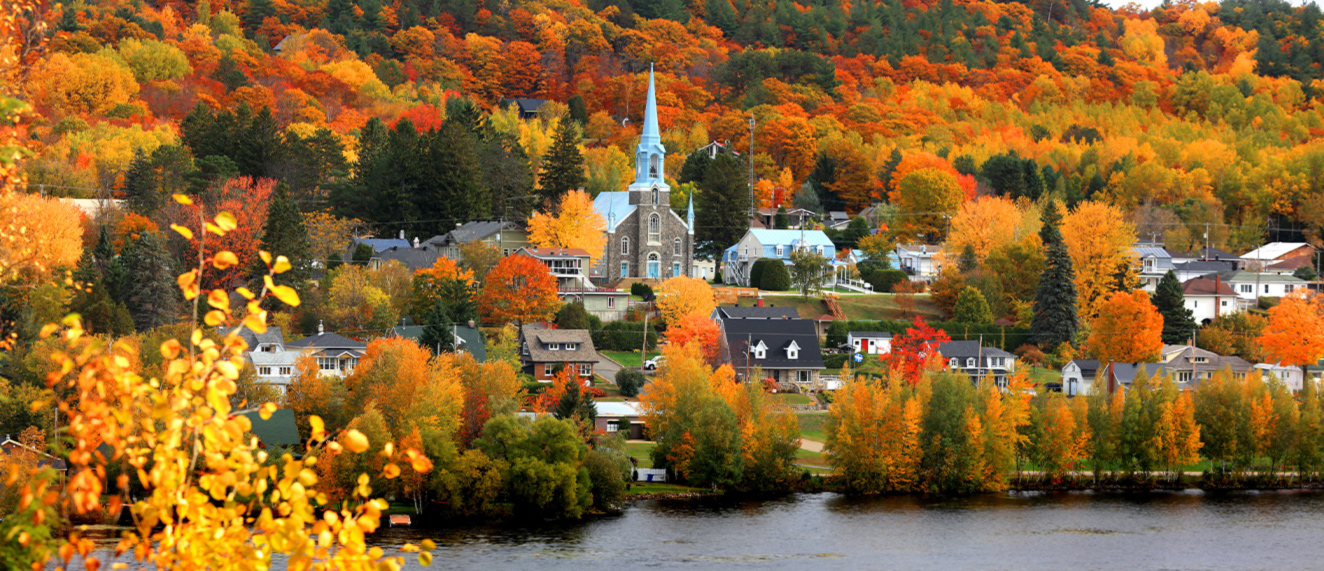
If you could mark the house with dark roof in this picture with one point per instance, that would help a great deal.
(1207, 299)
(1191, 269)
(1185, 365)
(971, 358)
(10, 446)
(796, 217)
(414, 257)
(543, 349)
(567, 265)
(465, 338)
(759, 312)
(527, 107)
(1078, 376)
(335, 354)
(378, 245)
(273, 363)
(785, 350)
(505, 236)
(870, 342)
(1155, 262)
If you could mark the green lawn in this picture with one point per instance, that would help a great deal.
(806, 457)
(641, 451)
(792, 398)
(1041, 375)
(812, 425)
(626, 358)
(856, 306)
(638, 488)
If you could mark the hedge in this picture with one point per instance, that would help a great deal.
(775, 277)
(641, 289)
(623, 336)
(756, 271)
(834, 361)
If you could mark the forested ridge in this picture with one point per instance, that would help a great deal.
(389, 112)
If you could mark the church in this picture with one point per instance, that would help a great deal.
(645, 237)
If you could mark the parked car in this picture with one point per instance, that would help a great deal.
(655, 362)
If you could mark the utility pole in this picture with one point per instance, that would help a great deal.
(643, 347)
(750, 160)
(1205, 257)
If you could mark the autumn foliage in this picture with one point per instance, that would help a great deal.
(1128, 329)
(518, 289)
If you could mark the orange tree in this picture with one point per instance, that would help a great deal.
(1128, 329)
(518, 289)
(1295, 335)
(211, 498)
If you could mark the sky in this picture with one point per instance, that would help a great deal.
(1153, 3)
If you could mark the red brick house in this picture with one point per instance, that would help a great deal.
(542, 349)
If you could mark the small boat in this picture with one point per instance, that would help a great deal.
(399, 520)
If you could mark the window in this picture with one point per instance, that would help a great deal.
(611, 302)
(505, 251)
(1245, 288)
(1266, 288)
(779, 251)
(613, 425)
(585, 369)
(269, 348)
(1199, 360)
(1288, 288)
(326, 363)
(654, 229)
(954, 363)
(802, 376)
(286, 371)
(653, 164)
(1184, 376)
(792, 353)
(264, 371)
(1195, 303)
(1224, 303)
(571, 346)
(818, 250)
(553, 346)
(970, 362)
(760, 350)
(625, 245)
(625, 269)
(675, 246)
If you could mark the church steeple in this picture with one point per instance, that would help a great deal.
(689, 215)
(650, 157)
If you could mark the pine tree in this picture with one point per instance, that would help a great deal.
(454, 191)
(721, 207)
(140, 184)
(1055, 321)
(256, 12)
(285, 235)
(968, 262)
(781, 221)
(152, 297)
(1178, 324)
(108, 266)
(563, 166)
(101, 313)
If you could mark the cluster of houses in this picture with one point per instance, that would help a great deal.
(1216, 283)
(1186, 365)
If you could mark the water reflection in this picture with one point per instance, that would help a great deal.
(1075, 530)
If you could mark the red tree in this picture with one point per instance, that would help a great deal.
(912, 349)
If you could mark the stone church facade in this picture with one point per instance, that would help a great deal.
(645, 237)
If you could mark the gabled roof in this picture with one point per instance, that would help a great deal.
(1241, 276)
(776, 335)
(1202, 266)
(379, 244)
(1212, 254)
(1273, 250)
(536, 337)
(471, 231)
(968, 349)
(471, 337)
(1152, 251)
(327, 341)
(279, 430)
(613, 207)
(272, 335)
(870, 334)
(557, 252)
(784, 237)
(729, 312)
(838, 215)
(925, 249)
(1087, 366)
(412, 258)
(44, 460)
(275, 358)
(1206, 286)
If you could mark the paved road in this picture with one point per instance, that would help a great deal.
(606, 368)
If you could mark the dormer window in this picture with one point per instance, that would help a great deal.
(793, 351)
(760, 350)
(970, 362)
(571, 346)
(779, 251)
(1199, 360)
(553, 346)
(954, 363)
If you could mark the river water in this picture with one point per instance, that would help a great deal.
(1178, 530)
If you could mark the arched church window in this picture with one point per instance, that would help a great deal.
(625, 245)
(675, 246)
(654, 229)
(653, 163)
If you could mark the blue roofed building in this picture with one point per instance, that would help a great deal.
(760, 243)
(645, 237)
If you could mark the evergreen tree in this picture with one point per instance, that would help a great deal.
(92, 299)
(577, 110)
(285, 235)
(255, 13)
(576, 401)
(1055, 321)
(572, 315)
(781, 221)
(440, 322)
(109, 268)
(971, 307)
(152, 297)
(563, 166)
(721, 207)
(968, 261)
(230, 74)
(140, 185)
(260, 144)
(696, 164)
(885, 172)
(1178, 323)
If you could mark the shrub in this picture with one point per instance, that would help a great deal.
(756, 271)
(629, 381)
(624, 336)
(1030, 355)
(775, 277)
(641, 289)
(885, 280)
(834, 361)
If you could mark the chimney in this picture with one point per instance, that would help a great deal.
(1218, 286)
(402, 234)
(457, 225)
(415, 241)
(471, 324)
(320, 330)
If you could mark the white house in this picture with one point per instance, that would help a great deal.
(1292, 377)
(567, 265)
(336, 355)
(870, 342)
(1280, 257)
(919, 260)
(1078, 376)
(1155, 262)
(272, 362)
(760, 243)
(1251, 286)
(1207, 299)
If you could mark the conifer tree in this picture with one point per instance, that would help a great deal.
(721, 207)
(140, 185)
(968, 262)
(284, 234)
(1055, 321)
(93, 300)
(563, 166)
(780, 220)
(151, 294)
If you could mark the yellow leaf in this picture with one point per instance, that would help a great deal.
(188, 283)
(227, 369)
(182, 199)
(281, 266)
(185, 232)
(286, 294)
(219, 299)
(319, 428)
(391, 471)
(214, 229)
(266, 256)
(226, 221)
(247, 293)
(214, 318)
(266, 411)
(224, 260)
(425, 559)
(356, 441)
